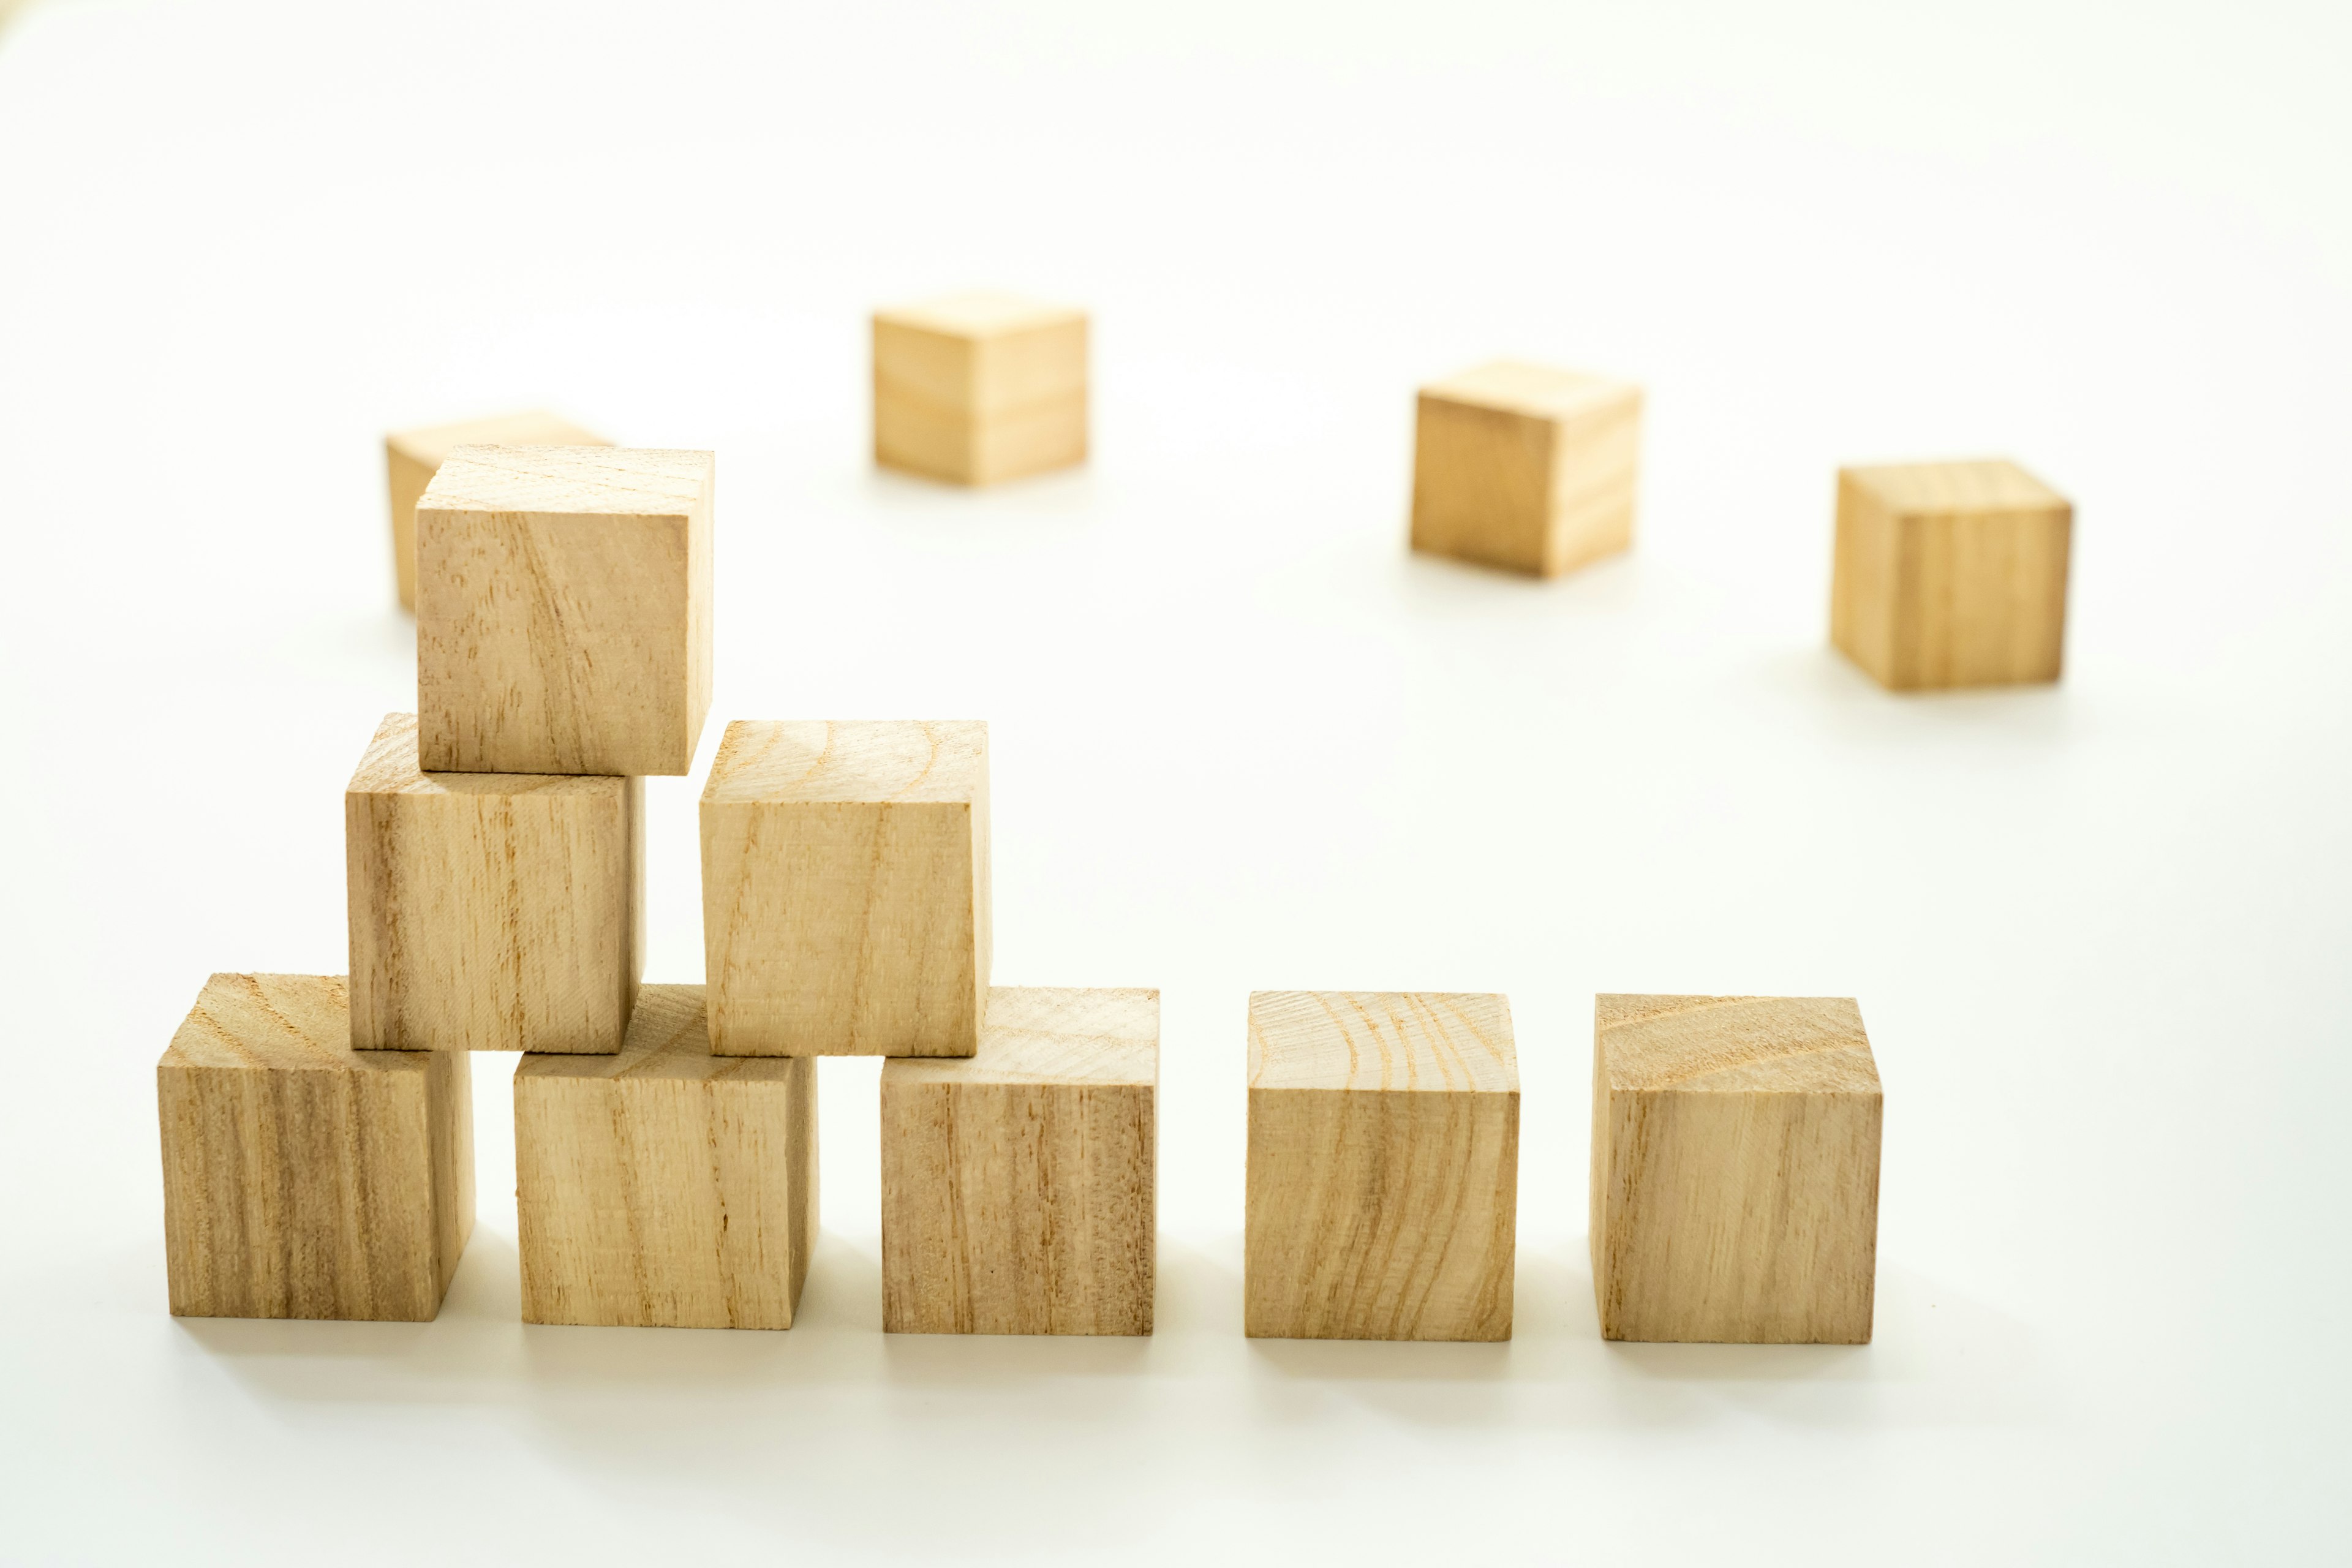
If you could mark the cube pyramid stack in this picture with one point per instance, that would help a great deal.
(318, 1130)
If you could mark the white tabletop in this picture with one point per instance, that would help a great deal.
(1238, 738)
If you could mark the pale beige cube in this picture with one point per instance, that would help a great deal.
(1019, 1187)
(845, 888)
(563, 610)
(490, 912)
(1951, 574)
(1525, 467)
(1735, 1169)
(980, 387)
(302, 1178)
(1383, 1166)
(411, 458)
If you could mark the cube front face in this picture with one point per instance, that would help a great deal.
(665, 1188)
(487, 911)
(1019, 1186)
(412, 457)
(1950, 574)
(1735, 1170)
(1531, 469)
(302, 1179)
(845, 874)
(980, 388)
(563, 611)
(1383, 1166)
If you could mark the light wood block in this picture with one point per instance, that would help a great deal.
(1383, 1166)
(1524, 467)
(1018, 1186)
(490, 912)
(1950, 574)
(302, 1178)
(412, 457)
(1735, 1169)
(980, 387)
(563, 610)
(845, 888)
(665, 1188)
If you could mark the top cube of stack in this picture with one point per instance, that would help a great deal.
(980, 387)
(1524, 467)
(563, 610)
(411, 458)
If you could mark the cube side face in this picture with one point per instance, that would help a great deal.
(925, 391)
(1030, 402)
(310, 1193)
(665, 1203)
(407, 479)
(1982, 597)
(1482, 484)
(1380, 1215)
(1863, 582)
(1018, 1208)
(1594, 484)
(495, 922)
(549, 642)
(1746, 1218)
(844, 929)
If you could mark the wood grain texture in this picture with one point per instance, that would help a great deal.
(302, 1178)
(563, 610)
(979, 388)
(490, 912)
(1950, 574)
(845, 888)
(1524, 467)
(412, 457)
(1019, 1185)
(1383, 1166)
(1735, 1169)
(665, 1188)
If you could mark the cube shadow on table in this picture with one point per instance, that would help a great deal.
(1735, 1169)
(665, 1187)
(1383, 1166)
(490, 912)
(302, 1178)
(563, 610)
(845, 888)
(1019, 1184)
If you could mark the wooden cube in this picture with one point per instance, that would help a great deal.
(302, 1178)
(1950, 574)
(1383, 1166)
(980, 387)
(1524, 468)
(665, 1188)
(1019, 1184)
(845, 888)
(563, 610)
(490, 912)
(412, 457)
(1735, 1169)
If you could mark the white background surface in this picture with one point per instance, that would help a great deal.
(1240, 739)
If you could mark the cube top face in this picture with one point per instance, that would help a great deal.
(286, 1023)
(848, 762)
(979, 313)
(669, 1039)
(430, 446)
(1044, 1035)
(1954, 490)
(389, 767)
(1536, 392)
(1412, 1040)
(563, 610)
(1735, 1044)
